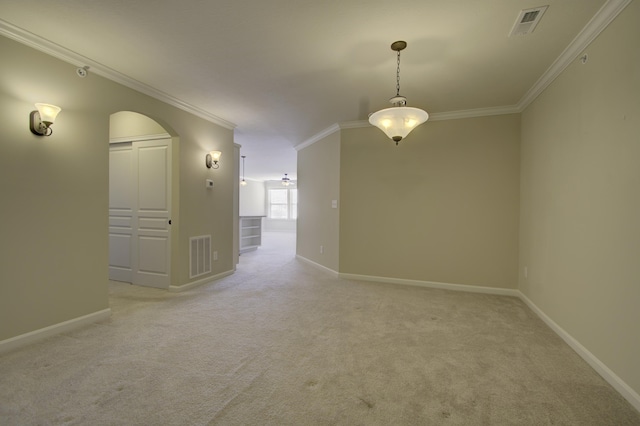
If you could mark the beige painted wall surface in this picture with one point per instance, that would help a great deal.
(54, 245)
(252, 198)
(126, 124)
(206, 211)
(319, 184)
(580, 212)
(442, 206)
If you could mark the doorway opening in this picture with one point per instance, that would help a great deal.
(268, 216)
(140, 200)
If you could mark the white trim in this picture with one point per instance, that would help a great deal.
(207, 280)
(594, 27)
(354, 124)
(437, 116)
(472, 113)
(66, 55)
(335, 274)
(431, 284)
(52, 330)
(618, 384)
(318, 136)
(124, 139)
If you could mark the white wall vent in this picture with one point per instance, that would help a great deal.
(527, 21)
(199, 255)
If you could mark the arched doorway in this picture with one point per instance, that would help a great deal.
(140, 200)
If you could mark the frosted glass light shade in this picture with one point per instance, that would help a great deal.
(398, 122)
(212, 158)
(48, 112)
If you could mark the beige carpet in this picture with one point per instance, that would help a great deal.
(281, 343)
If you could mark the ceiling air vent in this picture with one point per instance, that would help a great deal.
(527, 21)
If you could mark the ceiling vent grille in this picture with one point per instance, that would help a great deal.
(527, 21)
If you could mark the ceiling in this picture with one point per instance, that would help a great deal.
(283, 71)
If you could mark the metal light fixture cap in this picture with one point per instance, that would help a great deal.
(398, 45)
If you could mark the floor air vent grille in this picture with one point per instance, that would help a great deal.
(199, 255)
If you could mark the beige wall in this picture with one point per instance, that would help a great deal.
(252, 199)
(127, 124)
(204, 211)
(319, 184)
(442, 206)
(54, 245)
(580, 220)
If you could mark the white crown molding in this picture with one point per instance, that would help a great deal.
(438, 116)
(354, 124)
(21, 36)
(594, 27)
(471, 113)
(318, 136)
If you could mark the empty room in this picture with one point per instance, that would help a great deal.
(320, 213)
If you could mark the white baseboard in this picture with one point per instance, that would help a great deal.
(52, 330)
(432, 284)
(203, 281)
(317, 265)
(618, 384)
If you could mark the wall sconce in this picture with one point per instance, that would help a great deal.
(40, 121)
(212, 158)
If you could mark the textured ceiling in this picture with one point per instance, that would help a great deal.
(284, 70)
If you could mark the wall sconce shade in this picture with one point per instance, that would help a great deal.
(40, 121)
(212, 158)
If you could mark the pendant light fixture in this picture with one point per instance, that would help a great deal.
(243, 182)
(397, 121)
(285, 180)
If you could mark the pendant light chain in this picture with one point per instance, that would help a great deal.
(243, 182)
(398, 76)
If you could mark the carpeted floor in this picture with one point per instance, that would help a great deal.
(281, 343)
